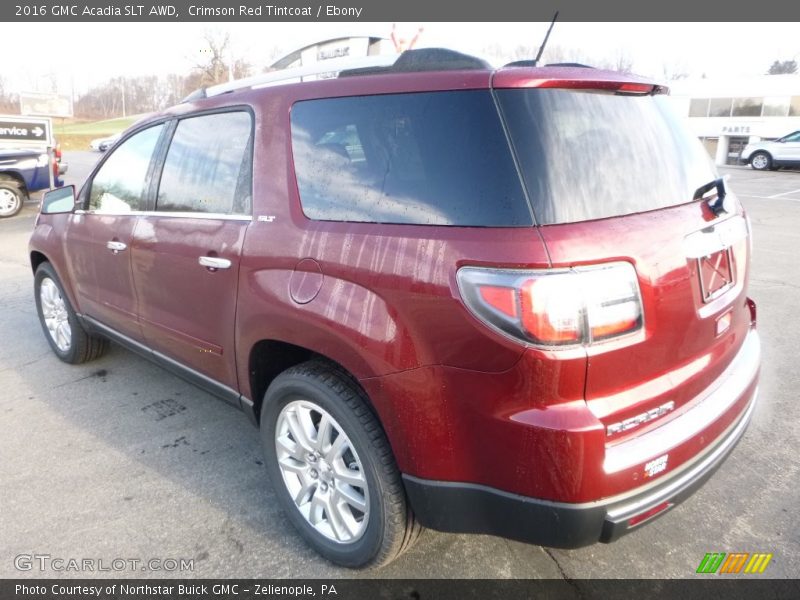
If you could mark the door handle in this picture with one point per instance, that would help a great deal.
(116, 247)
(213, 263)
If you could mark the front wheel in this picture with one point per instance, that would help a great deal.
(12, 197)
(761, 161)
(332, 468)
(64, 332)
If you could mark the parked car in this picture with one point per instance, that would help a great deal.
(765, 155)
(26, 170)
(509, 302)
(104, 143)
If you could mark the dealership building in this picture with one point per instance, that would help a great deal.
(727, 114)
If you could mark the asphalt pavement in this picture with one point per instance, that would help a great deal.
(118, 459)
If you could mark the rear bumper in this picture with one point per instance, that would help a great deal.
(473, 508)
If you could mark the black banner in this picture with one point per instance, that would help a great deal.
(399, 589)
(394, 10)
(25, 130)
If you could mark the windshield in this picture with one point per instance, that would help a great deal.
(592, 155)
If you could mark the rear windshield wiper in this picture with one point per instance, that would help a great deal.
(717, 205)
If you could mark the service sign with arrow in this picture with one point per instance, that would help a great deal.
(25, 131)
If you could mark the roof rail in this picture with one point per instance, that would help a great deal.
(295, 74)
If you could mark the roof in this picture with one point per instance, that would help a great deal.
(476, 73)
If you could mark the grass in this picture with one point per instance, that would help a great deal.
(76, 135)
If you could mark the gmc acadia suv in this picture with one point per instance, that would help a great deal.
(506, 301)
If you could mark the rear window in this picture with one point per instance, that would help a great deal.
(436, 158)
(591, 155)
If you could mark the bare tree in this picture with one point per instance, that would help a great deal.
(783, 67)
(9, 103)
(674, 71)
(216, 65)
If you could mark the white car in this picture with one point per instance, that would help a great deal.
(783, 152)
(103, 144)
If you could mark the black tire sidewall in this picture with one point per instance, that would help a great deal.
(292, 387)
(45, 270)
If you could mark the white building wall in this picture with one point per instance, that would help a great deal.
(770, 87)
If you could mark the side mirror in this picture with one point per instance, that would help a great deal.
(59, 200)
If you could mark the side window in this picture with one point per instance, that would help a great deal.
(438, 158)
(119, 185)
(795, 137)
(208, 166)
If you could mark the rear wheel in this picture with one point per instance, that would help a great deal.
(12, 197)
(761, 161)
(65, 334)
(332, 468)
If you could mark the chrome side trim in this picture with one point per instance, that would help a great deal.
(675, 486)
(202, 381)
(717, 399)
(171, 215)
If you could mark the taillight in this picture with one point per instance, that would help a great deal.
(556, 307)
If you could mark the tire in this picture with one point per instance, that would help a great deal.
(761, 161)
(12, 197)
(351, 505)
(64, 332)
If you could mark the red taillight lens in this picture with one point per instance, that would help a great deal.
(501, 298)
(556, 307)
(635, 88)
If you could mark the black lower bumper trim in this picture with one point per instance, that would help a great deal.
(469, 508)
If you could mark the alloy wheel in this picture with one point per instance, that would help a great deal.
(322, 471)
(55, 314)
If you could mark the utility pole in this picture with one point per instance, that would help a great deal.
(123, 97)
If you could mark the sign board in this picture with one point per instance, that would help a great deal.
(45, 105)
(25, 131)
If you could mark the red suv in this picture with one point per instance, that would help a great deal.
(506, 301)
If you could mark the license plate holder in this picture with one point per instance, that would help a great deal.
(716, 274)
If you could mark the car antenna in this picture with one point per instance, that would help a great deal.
(546, 37)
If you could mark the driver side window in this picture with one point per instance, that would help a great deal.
(120, 184)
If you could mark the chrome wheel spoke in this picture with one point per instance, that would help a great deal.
(298, 429)
(339, 445)
(292, 465)
(338, 522)
(324, 432)
(349, 495)
(304, 492)
(291, 447)
(350, 477)
(316, 515)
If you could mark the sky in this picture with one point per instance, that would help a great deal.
(86, 54)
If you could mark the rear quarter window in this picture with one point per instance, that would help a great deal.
(436, 158)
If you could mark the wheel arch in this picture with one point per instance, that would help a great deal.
(17, 178)
(37, 258)
(268, 358)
